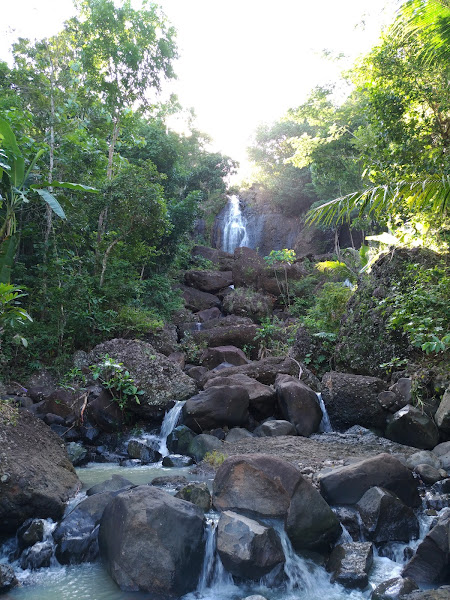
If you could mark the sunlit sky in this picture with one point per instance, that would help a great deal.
(242, 62)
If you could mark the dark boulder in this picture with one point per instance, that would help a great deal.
(208, 281)
(350, 564)
(179, 439)
(244, 302)
(298, 404)
(8, 579)
(393, 589)
(237, 434)
(177, 460)
(229, 331)
(275, 428)
(105, 413)
(442, 416)
(196, 300)
(153, 542)
(198, 494)
(37, 557)
(246, 548)
(441, 593)
(353, 400)
(386, 518)
(216, 407)
(346, 485)
(412, 427)
(30, 533)
(202, 445)
(143, 452)
(213, 357)
(264, 371)
(114, 484)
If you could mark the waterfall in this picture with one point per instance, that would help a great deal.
(325, 424)
(235, 227)
(168, 425)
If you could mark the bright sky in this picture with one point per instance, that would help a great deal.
(242, 62)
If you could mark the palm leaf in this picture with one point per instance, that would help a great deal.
(7, 252)
(9, 142)
(78, 187)
(52, 202)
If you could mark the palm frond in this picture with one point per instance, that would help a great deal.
(430, 194)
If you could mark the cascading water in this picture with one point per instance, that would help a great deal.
(235, 226)
(325, 424)
(168, 425)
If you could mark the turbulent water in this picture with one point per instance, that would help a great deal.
(235, 227)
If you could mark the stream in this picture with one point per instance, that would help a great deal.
(302, 579)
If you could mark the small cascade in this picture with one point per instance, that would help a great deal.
(168, 425)
(213, 574)
(235, 227)
(345, 538)
(325, 424)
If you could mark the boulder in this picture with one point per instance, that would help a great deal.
(212, 357)
(298, 404)
(441, 593)
(275, 428)
(261, 397)
(203, 444)
(77, 453)
(177, 461)
(247, 303)
(153, 542)
(8, 578)
(142, 452)
(237, 434)
(430, 564)
(346, 485)
(208, 281)
(264, 371)
(442, 416)
(37, 557)
(428, 474)
(233, 331)
(350, 564)
(114, 484)
(386, 518)
(196, 300)
(443, 452)
(412, 427)
(208, 314)
(393, 589)
(62, 402)
(216, 407)
(179, 439)
(198, 494)
(353, 400)
(219, 258)
(164, 340)
(269, 487)
(161, 380)
(246, 548)
(424, 457)
(30, 533)
(36, 475)
(105, 412)
(249, 269)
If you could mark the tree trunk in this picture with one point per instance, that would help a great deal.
(105, 260)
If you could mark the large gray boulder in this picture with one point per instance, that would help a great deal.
(298, 404)
(213, 357)
(161, 380)
(412, 427)
(202, 445)
(350, 564)
(275, 428)
(393, 589)
(153, 542)
(353, 400)
(386, 518)
(264, 371)
(269, 487)
(441, 593)
(216, 407)
(208, 281)
(442, 451)
(247, 549)
(36, 475)
(346, 485)
(431, 562)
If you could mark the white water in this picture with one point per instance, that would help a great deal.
(235, 227)
(168, 425)
(325, 424)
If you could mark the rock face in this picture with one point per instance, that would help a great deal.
(442, 416)
(36, 475)
(203, 444)
(353, 400)
(431, 562)
(208, 281)
(216, 407)
(233, 331)
(394, 589)
(244, 302)
(298, 404)
(264, 371)
(247, 549)
(161, 380)
(269, 487)
(412, 427)
(346, 485)
(350, 564)
(275, 428)
(386, 518)
(261, 397)
(212, 357)
(179, 439)
(197, 300)
(153, 542)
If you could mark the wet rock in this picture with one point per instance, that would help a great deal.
(346, 485)
(247, 549)
(425, 457)
(442, 416)
(212, 357)
(114, 484)
(177, 460)
(153, 542)
(8, 578)
(142, 452)
(428, 474)
(105, 413)
(386, 518)
(30, 533)
(197, 374)
(349, 518)
(161, 380)
(412, 427)
(442, 593)
(216, 407)
(238, 433)
(36, 475)
(274, 428)
(198, 494)
(298, 404)
(270, 487)
(77, 453)
(430, 564)
(37, 557)
(393, 589)
(208, 281)
(196, 300)
(179, 439)
(353, 400)
(262, 397)
(350, 564)
(170, 481)
(203, 444)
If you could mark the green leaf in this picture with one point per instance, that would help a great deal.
(7, 252)
(78, 187)
(52, 202)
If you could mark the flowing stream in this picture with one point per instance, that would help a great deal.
(235, 226)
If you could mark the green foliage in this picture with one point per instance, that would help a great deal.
(9, 412)
(326, 314)
(192, 348)
(136, 322)
(214, 458)
(277, 259)
(11, 313)
(115, 378)
(274, 338)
